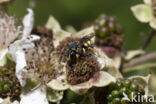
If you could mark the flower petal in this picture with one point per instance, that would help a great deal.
(22, 44)
(53, 24)
(81, 88)
(147, 1)
(37, 96)
(1, 100)
(114, 69)
(6, 101)
(142, 82)
(20, 64)
(59, 36)
(16, 50)
(104, 61)
(153, 84)
(104, 79)
(100, 79)
(153, 23)
(133, 53)
(3, 56)
(70, 29)
(15, 102)
(142, 12)
(58, 84)
(33, 37)
(58, 33)
(85, 31)
(28, 22)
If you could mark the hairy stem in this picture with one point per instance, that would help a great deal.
(149, 39)
(140, 67)
(140, 60)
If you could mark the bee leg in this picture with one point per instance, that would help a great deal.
(84, 51)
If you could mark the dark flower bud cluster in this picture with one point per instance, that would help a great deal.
(108, 31)
(9, 85)
(154, 7)
(105, 25)
(122, 89)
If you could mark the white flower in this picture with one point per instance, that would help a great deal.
(8, 33)
(37, 96)
(16, 49)
(99, 79)
(145, 12)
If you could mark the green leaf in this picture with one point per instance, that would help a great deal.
(142, 12)
(86, 100)
(72, 97)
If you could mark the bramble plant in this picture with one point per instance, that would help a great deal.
(48, 64)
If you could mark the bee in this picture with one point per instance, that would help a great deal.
(79, 48)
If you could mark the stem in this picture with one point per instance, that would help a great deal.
(32, 3)
(140, 60)
(140, 67)
(149, 39)
(91, 97)
(4, 7)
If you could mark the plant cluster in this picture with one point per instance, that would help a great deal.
(50, 65)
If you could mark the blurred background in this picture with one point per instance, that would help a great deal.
(76, 12)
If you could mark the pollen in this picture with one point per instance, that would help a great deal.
(82, 71)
